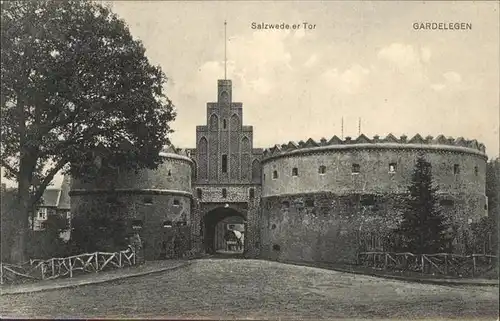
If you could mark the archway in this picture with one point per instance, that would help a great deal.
(224, 231)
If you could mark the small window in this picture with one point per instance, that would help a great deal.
(273, 227)
(355, 168)
(169, 173)
(476, 170)
(446, 202)
(176, 202)
(42, 213)
(167, 224)
(148, 200)
(199, 193)
(295, 171)
(322, 169)
(309, 203)
(392, 168)
(276, 247)
(224, 124)
(224, 193)
(251, 193)
(368, 200)
(275, 174)
(285, 204)
(224, 163)
(136, 224)
(111, 200)
(456, 169)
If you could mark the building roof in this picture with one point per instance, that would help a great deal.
(51, 197)
(64, 200)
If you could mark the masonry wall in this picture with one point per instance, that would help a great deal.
(374, 175)
(174, 174)
(313, 216)
(155, 199)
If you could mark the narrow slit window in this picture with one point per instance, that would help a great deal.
(275, 174)
(295, 171)
(148, 200)
(322, 169)
(136, 224)
(355, 168)
(224, 163)
(456, 169)
(476, 170)
(199, 193)
(251, 193)
(224, 193)
(224, 124)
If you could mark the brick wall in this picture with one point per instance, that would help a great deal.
(173, 174)
(328, 227)
(153, 210)
(374, 173)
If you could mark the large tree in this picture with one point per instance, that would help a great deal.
(423, 228)
(72, 78)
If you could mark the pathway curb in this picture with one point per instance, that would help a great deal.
(464, 282)
(90, 282)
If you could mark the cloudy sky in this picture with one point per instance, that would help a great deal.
(362, 59)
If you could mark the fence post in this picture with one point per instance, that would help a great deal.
(385, 263)
(446, 263)
(96, 262)
(42, 267)
(1, 273)
(473, 264)
(53, 267)
(70, 268)
(423, 263)
(120, 258)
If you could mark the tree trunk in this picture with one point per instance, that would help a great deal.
(18, 252)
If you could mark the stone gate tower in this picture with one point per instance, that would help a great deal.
(227, 176)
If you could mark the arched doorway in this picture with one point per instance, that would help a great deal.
(224, 231)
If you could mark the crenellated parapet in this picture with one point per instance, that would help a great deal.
(390, 141)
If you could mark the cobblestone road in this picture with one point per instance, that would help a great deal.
(256, 289)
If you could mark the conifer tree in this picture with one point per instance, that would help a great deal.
(423, 227)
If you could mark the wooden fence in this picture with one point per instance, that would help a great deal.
(446, 264)
(66, 267)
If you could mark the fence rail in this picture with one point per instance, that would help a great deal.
(439, 263)
(54, 268)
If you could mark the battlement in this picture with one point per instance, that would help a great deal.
(390, 141)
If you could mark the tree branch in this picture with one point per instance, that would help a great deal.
(9, 167)
(46, 181)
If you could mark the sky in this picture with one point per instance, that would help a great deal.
(361, 60)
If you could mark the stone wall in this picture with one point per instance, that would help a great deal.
(174, 174)
(460, 176)
(151, 211)
(152, 198)
(234, 193)
(332, 228)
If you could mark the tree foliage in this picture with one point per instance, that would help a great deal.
(100, 226)
(72, 77)
(423, 228)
